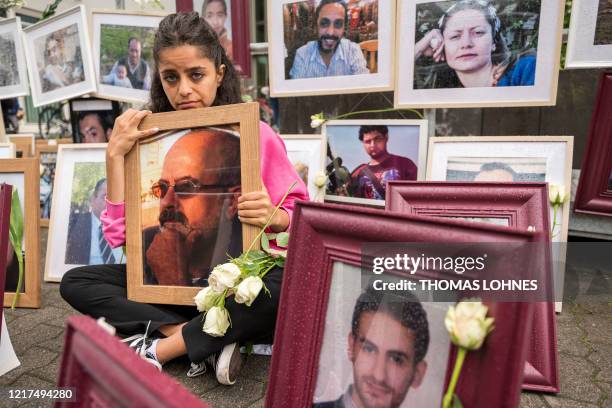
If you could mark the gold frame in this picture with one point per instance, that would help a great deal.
(246, 117)
(30, 296)
(44, 222)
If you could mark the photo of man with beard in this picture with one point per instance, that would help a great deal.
(197, 192)
(387, 345)
(331, 54)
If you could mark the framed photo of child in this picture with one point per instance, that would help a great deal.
(181, 199)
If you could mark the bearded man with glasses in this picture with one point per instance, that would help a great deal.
(198, 224)
(331, 54)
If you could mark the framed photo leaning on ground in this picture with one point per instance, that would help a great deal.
(123, 53)
(75, 229)
(23, 175)
(330, 47)
(473, 53)
(182, 187)
(362, 155)
(58, 53)
(24, 144)
(47, 156)
(307, 154)
(589, 44)
(322, 333)
(13, 72)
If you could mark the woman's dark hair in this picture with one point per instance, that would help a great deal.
(180, 29)
(207, 2)
(446, 77)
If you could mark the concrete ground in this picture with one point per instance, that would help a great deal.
(584, 340)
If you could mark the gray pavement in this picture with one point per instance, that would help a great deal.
(584, 341)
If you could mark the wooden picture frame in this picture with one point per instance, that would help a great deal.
(45, 211)
(15, 82)
(594, 192)
(26, 173)
(69, 237)
(24, 144)
(431, 84)
(308, 150)
(324, 234)
(100, 370)
(586, 47)
(245, 118)
(137, 22)
(407, 138)
(5, 222)
(374, 40)
(46, 85)
(521, 205)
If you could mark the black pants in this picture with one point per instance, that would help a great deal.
(101, 291)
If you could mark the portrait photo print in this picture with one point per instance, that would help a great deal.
(455, 53)
(13, 76)
(123, 54)
(363, 155)
(330, 46)
(59, 58)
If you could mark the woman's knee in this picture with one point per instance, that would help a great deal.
(69, 286)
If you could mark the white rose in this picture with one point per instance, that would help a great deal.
(315, 123)
(224, 277)
(320, 180)
(206, 299)
(557, 194)
(248, 290)
(467, 324)
(217, 321)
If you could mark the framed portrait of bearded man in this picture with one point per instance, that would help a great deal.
(182, 187)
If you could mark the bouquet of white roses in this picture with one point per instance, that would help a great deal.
(241, 277)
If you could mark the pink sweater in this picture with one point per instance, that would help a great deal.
(277, 174)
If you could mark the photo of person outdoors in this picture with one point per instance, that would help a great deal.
(9, 73)
(125, 56)
(218, 14)
(603, 25)
(191, 204)
(363, 158)
(476, 43)
(86, 244)
(325, 38)
(502, 169)
(59, 59)
(47, 176)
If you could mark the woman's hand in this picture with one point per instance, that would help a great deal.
(497, 72)
(125, 133)
(432, 45)
(256, 208)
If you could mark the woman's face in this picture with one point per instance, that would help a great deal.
(189, 79)
(468, 41)
(215, 16)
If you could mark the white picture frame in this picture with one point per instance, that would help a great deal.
(72, 74)
(584, 49)
(281, 84)
(10, 31)
(437, 85)
(133, 24)
(307, 151)
(7, 151)
(337, 133)
(64, 220)
(557, 153)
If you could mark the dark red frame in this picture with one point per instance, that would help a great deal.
(6, 197)
(523, 205)
(241, 34)
(592, 194)
(324, 233)
(105, 372)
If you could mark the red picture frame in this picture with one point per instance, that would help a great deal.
(594, 192)
(523, 205)
(6, 191)
(104, 372)
(324, 233)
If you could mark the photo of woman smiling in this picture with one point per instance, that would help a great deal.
(467, 44)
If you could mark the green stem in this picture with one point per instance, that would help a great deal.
(19, 255)
(448, 397)
(555, 207)
(270, 219)
(346, 115)
(266, 271)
